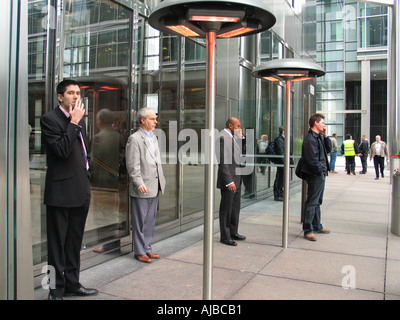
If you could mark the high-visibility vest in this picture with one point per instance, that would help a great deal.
(349, 148)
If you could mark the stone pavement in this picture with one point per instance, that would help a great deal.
(359, 253)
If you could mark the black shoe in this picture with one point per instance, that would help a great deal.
(377, 178)
(52, 297)
(237, 236)
(278, 198)
(229, 242)
(82, 291)
(382, 175)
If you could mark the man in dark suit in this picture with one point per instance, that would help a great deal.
(229, 181)
(67, 188)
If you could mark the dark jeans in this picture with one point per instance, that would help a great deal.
(312, 211)
(379, 164)
(363, 159)
(279, 183)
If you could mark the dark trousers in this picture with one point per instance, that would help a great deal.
(350, 164)
(278, 183)
(379, 164)
(65, 228)
(312, 211)
(363, 159)
(229, 210)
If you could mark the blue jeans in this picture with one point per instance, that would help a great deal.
(312, 211)
(333, 161)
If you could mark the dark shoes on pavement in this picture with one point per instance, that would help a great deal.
(81, 291)
(234, 237)
(229, 242)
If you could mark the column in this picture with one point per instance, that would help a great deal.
(366, 98)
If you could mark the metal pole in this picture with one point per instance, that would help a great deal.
(209, 166)
(393, 78)
(286, 166)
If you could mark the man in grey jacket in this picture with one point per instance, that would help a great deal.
(146, 179)
(378, 151)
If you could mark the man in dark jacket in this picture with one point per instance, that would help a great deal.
(67, 188)
(316, 146)
(363, 150)
(279, 151)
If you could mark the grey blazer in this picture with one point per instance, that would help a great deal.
(144, 167)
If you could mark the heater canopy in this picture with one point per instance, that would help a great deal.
(194, 18)
(288, 69)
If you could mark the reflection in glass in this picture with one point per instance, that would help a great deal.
(159, 91)
(95, 50)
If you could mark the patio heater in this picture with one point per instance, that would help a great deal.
(210, 20)
(288, 71)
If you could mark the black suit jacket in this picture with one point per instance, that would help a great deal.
(228, 154)
(67, 180)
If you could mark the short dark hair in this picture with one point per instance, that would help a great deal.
(62, 86)
(315, 117)
(348, 136)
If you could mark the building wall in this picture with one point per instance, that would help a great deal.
(352, 47)
(123, 65)
(16, 274)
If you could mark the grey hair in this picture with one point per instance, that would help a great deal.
(142, 114)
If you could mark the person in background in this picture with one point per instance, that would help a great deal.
(349, 149)
(379, 150)
(333, 153)
(363, 150)
(279, 150)
(262, 145)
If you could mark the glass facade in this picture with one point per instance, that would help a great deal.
(351, 34)
(123, 64)
(330, 55)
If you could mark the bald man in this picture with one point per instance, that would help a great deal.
(229, 181)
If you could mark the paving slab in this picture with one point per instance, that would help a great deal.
(263, 287)
(329, 268)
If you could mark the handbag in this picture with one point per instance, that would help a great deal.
(299, 169)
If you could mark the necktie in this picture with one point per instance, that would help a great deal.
(84, 152)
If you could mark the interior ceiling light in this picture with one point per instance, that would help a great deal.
(109, 88)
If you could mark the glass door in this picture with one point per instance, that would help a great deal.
(94, 48)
